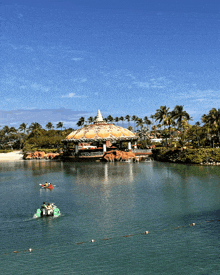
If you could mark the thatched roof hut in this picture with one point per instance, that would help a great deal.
(102, 132)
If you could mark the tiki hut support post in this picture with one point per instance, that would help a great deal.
(135, 145)
(120, 145)
(129, 145)
(104, 147)
(76, 148)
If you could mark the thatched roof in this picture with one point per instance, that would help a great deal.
(100, 131)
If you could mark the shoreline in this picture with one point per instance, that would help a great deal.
(11, 156)
(197, 156)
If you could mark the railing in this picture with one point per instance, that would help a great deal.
(141, 151)
(97, 152)
(87, 153)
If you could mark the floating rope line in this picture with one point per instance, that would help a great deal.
(111, 238)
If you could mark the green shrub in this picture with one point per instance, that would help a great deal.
(157, 144)
(192, 156)
(47, 151)
(5, 150)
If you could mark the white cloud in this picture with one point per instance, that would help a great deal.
(131, 76)
(199, 95)
(79, 80)
(142, 84)
(20, 15)
(77, 59)
(21, 47)
(40, 87)
(73, 95)
(158, 83)
(158, 86)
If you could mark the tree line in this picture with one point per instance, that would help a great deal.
(171, 125)
(33, 136)
(163, 115)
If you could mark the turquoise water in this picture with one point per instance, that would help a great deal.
(114, 204)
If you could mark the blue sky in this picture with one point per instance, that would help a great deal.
(63, 59)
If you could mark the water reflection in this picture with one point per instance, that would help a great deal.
(193, 170)
(100, 176)
(107, 173)
(43, 190)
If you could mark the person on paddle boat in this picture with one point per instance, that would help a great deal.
(49, 206)
(44, 205)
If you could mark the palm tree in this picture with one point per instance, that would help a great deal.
(209, 133)
(49, 126)
(122, 119)
(216, 121)
(35, 126)
(6, 129)
(80, 122)
(195, 134)
(12, 130)
(23, 127)
(169, 121)
(152, 117)
(134, 118)
(60, 125)
(116, 119)
(35, 129)
(154, 128)
(139, 122)
(90, 119)
(109, 118)
(213, 120)
(130, 128)
(147, 121)
(127, 117)
(159, 126)
(180, 115)
(161, 114)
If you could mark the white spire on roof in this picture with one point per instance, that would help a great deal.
(99, 117)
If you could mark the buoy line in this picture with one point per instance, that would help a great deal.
(110, 238)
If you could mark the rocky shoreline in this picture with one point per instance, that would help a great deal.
(116, 155)
(110, 156)
(202, 156)
(40, 155)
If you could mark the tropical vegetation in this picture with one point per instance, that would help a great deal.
(174, 128)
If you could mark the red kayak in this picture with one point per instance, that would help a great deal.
(47, 187)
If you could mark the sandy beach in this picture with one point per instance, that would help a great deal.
(12, 156)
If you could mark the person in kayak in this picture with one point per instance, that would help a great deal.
(47, 184)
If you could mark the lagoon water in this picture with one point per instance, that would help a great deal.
(114, 204)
